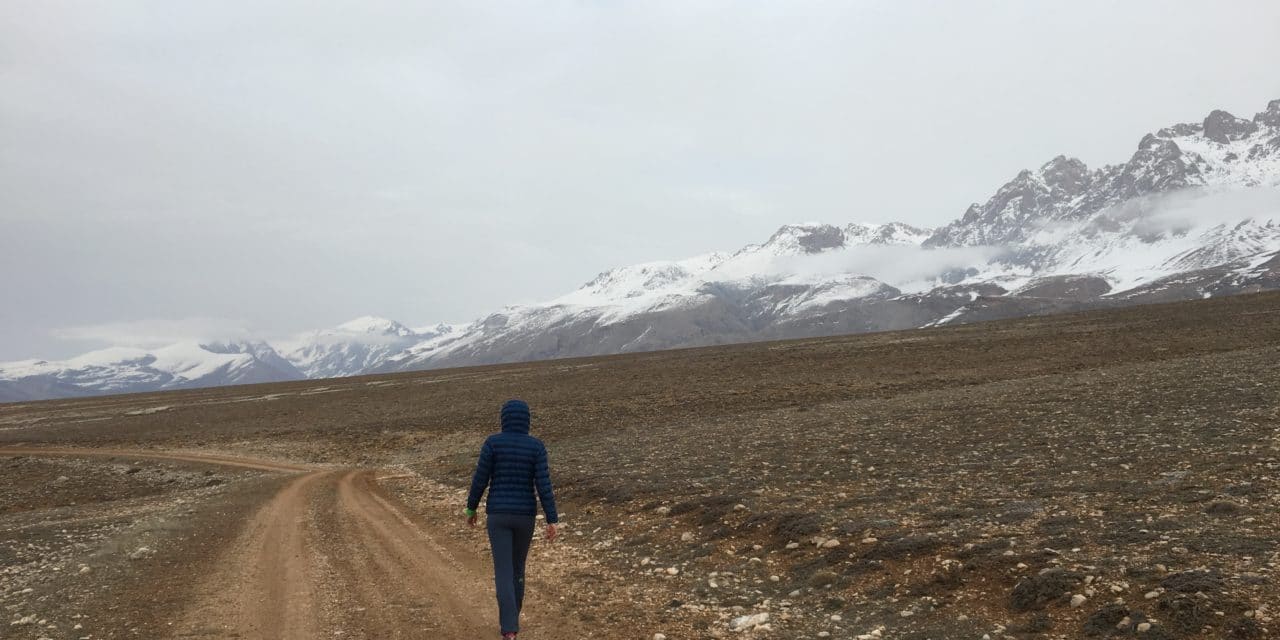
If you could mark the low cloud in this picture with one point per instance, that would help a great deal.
(896, 265)
(1199, 209)
(1183, 211)
(155, 332)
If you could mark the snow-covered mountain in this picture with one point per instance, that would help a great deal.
(1194, 212)
(1220, 153)
(353, 347)
(129, 370)
(709, 299)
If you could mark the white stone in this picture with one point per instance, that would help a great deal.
(742, 623)
(1077, 600)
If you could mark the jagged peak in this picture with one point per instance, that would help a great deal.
(1068, 175)
(1223, 127)
(1063, 162)
(1150, 140)
(1270, 117)
(814, 237)
(800, 229)
(809, 237)
(1181, 130)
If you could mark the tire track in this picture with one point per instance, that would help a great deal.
(433, 593)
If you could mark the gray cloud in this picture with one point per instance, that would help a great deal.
(1179, 212)
(155, 332)
(902, 266)
(291, 164)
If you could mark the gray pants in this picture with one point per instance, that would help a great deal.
(509, 536)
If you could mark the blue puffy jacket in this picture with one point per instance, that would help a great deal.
(512, 465)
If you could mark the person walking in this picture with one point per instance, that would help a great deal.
(513, 465)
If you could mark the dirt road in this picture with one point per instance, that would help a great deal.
(330, 554)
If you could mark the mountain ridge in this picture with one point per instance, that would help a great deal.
(1193, 212)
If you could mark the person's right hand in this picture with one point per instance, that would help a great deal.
(551, 533)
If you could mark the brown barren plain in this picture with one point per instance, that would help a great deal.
(1105, 474)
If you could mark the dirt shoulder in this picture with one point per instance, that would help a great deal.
(107, 547)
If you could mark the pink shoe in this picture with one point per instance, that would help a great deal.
(508, 636)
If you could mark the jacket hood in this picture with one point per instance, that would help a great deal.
(515, 416)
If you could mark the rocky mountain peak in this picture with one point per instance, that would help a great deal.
(1269, 117)
(1065, 190)
(796, 239)
(806, 238)
(1181, 130)
(1158, 165)
(1222, 127)
(1066, 176)
(1150, 140)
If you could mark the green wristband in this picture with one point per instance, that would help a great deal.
(470, 512)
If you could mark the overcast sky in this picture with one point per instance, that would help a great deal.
(172, 168)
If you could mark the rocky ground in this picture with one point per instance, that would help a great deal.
(1110, 474)
(77, 535)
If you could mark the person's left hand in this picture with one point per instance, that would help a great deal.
(471, 519)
